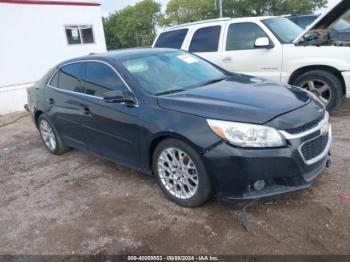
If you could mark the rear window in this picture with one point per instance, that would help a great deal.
(206, 39)
(171, 39)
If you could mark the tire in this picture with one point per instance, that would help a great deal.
(335, 93)
(51, 132)
(194, 175)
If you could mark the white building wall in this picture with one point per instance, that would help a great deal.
(33, 40)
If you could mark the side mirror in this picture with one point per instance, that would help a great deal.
(119, 96)
(263, 42)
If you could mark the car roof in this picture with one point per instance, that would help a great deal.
(209, 21)
(296, 15)
(120, 54)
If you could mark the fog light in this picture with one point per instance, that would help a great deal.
(259, 185)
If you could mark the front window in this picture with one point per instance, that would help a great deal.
(285, 30)
(242, 36)
(171, 71)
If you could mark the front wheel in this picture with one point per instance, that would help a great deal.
(325, 85)
(181, 173)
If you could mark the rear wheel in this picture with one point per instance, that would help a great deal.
(325, 85)
(50, 136)
(181, 173)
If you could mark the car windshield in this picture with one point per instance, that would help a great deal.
(172, 71)
(284, 29)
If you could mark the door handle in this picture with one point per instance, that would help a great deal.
(51, 101)
(86, 111)
(227, 60)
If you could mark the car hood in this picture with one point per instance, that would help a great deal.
(326, 20)
(239, 98)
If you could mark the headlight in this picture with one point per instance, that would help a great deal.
(246, 135)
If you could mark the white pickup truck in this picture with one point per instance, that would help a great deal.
(274, 48)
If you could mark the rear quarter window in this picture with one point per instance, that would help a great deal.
(54, 80)
(171, 39)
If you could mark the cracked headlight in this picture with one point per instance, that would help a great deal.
(246, 135)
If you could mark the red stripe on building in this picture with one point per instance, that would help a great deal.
(38, 2)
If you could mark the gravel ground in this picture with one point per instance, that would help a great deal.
(79, 204)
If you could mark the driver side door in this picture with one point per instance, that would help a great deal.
(110, 129)
(240, 55)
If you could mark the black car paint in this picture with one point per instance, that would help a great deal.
(128, 134)
(232, 100)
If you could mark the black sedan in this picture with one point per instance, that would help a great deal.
(200, 130)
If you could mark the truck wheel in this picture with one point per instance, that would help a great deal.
(325, 85)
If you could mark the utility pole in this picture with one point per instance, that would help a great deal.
(220, 7)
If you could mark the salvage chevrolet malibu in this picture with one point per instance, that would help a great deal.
(199, 129)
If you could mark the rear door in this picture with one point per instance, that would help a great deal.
(205, 42)
(110, 129)
(65, 103)
(240, 54)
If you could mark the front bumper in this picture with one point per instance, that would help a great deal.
(235, 170)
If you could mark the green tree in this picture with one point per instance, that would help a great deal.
(112, 40)
(239, 8)
(133, 25)
(183, 11)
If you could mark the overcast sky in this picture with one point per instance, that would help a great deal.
(110, 6)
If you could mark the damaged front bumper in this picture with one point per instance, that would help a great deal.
(246, 174)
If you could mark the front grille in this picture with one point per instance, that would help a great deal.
(305, 127)
(315, 147)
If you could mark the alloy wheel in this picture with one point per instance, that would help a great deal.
(178, 173)
(48, 135)
(320, 88)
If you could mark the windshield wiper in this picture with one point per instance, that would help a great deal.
(213, 81)
(170, 91)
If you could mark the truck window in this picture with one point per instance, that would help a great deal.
(206, 39)
(241, 36)
(171, 39)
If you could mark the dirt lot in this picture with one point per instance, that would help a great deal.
(80, 204)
